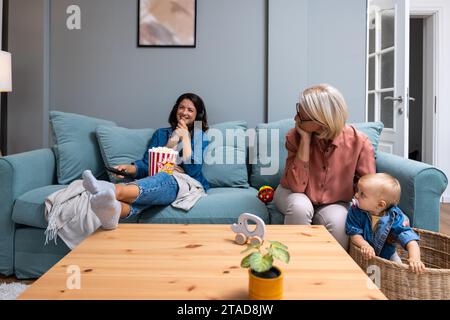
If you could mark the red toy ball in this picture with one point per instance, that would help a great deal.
(265, 194)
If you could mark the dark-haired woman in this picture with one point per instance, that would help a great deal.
(111, 202)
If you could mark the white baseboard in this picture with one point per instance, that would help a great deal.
(446, 199)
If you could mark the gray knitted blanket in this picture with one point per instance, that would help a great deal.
(69, 214)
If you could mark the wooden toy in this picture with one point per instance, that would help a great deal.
(243, 233)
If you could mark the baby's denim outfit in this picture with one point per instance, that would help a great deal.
(393, 227)
(162, 188)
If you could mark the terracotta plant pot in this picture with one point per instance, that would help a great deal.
(265, 288)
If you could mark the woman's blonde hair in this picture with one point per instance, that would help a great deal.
(325, 105)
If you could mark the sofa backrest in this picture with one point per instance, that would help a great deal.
(268, 162)
(89, 143)
(225, 159)
(257, 155)
(76, 147)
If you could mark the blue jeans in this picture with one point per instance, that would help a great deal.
(160, 189)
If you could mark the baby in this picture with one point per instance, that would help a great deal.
(375, 223)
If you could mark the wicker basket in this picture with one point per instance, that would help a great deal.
(399, 283)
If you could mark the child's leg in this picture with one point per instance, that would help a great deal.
(124, 192)
(127, 193)
(125, 212)
(106, 208)
(395, 257)
(91, 184)
(113, 202)
(161, 189)
(104, 199)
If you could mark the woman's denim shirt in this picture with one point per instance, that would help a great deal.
(193, 169)
(392, 227)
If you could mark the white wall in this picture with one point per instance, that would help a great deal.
(443, 90)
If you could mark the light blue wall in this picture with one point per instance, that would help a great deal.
(312, 42)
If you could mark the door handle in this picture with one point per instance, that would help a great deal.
(398, 99)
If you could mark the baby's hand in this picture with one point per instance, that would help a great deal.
(367, 252)
(416, 266)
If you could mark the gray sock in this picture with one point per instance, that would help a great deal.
(106, 208)
(91, 184)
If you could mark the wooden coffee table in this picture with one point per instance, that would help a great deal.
(148, 261)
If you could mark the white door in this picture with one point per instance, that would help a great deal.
(388, 72)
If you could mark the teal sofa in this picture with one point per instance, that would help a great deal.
(28, 178)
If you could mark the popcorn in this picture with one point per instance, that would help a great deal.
(161, 159)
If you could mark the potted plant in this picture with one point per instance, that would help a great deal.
(265, 280)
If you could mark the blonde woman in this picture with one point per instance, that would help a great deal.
(325, 158)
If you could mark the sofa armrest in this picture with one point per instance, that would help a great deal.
(422, 188)
(20, 173)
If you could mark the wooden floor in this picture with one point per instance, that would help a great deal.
(444, 228)
(13, 279)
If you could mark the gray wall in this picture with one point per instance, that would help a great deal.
(243, 62)
(99, 70)
(312, 42)
(288, 56)
(28, 102)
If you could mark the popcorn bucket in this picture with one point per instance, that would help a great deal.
(161, 159)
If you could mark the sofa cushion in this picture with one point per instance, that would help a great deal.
(29, 208)
(76, 146)
(221, 206)
(372, 130)
(121, 145)
(226, 142)
(269, 161)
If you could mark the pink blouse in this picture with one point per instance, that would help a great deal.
(330, 175)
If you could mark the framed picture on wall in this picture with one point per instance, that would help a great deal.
(164, 23)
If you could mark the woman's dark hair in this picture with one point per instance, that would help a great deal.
(199, 107)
